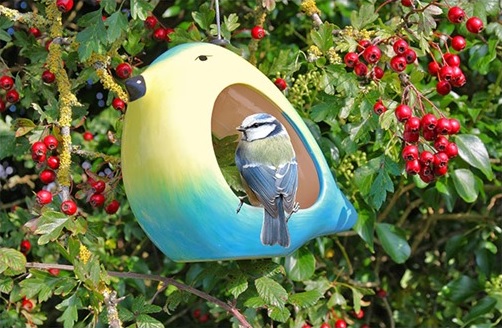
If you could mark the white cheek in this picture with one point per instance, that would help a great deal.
(260, 132)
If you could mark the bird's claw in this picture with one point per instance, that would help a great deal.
(241, 201)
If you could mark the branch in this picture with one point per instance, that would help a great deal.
(168, 281)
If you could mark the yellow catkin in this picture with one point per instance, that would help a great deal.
(84, 254)
(309, 7)
(109, 83)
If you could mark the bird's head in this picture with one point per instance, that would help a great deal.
(260, 126)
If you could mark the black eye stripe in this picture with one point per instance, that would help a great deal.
(202, 58)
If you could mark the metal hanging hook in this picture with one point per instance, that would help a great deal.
(219, 40)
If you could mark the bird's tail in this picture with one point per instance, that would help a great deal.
(275, 230)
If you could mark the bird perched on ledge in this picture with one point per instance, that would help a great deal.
(267, 163)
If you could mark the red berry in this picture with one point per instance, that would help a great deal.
(340, 323)
(441, 170)
(47, 176)
(281, 84)
(168, 31)
(48, 77)
(27, 304)
(446, 73)
(429, 135)
(458, 77)
(257, 32)
(400, 46)
(410, 153)
(113, 207)
(87, 136)
(325, 325)
(69, 207)
(440, 159)
(403, 112)
(54, 272)
(426, 157)
(53, 162)
(407, 3)
(474, 25)
(97, 200)
(443, 87)
(398, 63)
(382, 293)
(363, 44)
(451, 59)
(38, 148)
(51, 142)
(412, 124)
(44, 197)
(441, 143)
(64, 6)
(411, 136)
(123, 70)
(359, 315)
(433, 68)
(443, 126)
(25, 246)
(159, 34)
(426, 174)
(372, 54)
(2, 105)
(379, 107)
(378, 72)
(306, 325)
(151, 22)
(456, 15)
(454, 126)
(410, 55)
(99, 186)
(413, 167)
(38, 158)
(6, 82)
(429, 122)
(35, 32)
(458, 43)
(360, 69)
(12, 96)
(451, 150)
(196, 313)
(204, 318)
(351, 59)
(118, 104)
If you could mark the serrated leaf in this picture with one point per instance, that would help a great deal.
(116, 23)
(472, 150)
(12, 262)
(300, 265)
(365, 16)
(146, 321)
(260, 268)
(280, 314)
(237, 284)
(365, 227)
(381, 185)
(50, 226)
(70, 314)
(393, 242)
(465, 184)
(271, 291)
(6, 285)
(140, 9)
(323, 37)
(255, 302)
(204, 17)
(306, 299)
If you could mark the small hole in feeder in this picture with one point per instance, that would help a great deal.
(238, 101)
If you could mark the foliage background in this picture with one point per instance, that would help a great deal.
(420, 255)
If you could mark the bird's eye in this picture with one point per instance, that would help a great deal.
(201, 58)
(255, 125)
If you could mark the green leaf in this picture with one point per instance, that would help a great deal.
(379, 188)
(50, 226)
(12, 262)
(306, 299)
(323, 37)
(460, 289)
(91, 38)
(484, 306)
(6, 285)
(365, 227)
(23, 126)
(108, 5)
(146, 321)
(364, 17)
(140, 9)
(116, 23)
(70, 314)
(255, 302)
(271, 291)
(133, 44)
(237, 284)
(300, 265)
(465, 184)
(204, 17)
(472, 150)
(7, 143)
(393, 241)
(280, 314)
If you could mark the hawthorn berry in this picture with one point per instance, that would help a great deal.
(440, 159)
(53, 162)
(325, 325)
(6, 82)
(400, 46)
(454, 126)
(378, 72)
(340, 323)
(27, 304)
(196, 313)
(426, 174)
(48, 77)
(257, 32)
(351, 59)
(429, 122)
(204, 318)
(413, 167)
(25, 246)
(458, 43)
(407, 3)
(433, 68)
(97, 200)
(53, 272)
(474, 25)
(382, 293)
(306, 325)
(412, 124)
(458, 77)
(112, 207)
(99, 186)
(441, 143)
(151, 22)
(379, 108)
(440, 171)
(410, 153)
(64, 6)
(118, 104)
(88, 136)
(411, 136)
(159, 34)
(403, 112)
(51, 142)
(12, 96)
(360, 69)
(443, 87)
(446, 73)
(451, 150)
(38, 148)
(359, 314)
(69, 207)
(429, 135)
(426, 158)
(410, 55)
(456, 15)
(123, 70)
(2, 105)
(44, 197)
(443, 126)
(398, 63)
(280, 83)
(47, 176)
(452, 59)
(372, 54)
(363, 44)
(35, 32)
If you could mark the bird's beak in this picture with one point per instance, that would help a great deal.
(240, 128)
(136, 87)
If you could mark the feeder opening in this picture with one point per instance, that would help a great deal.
(238, 101)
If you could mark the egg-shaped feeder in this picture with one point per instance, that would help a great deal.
(171, 175)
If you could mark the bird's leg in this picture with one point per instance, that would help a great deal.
(241, 201)
(296, 207)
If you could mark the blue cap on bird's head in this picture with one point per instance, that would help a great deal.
(172, 178)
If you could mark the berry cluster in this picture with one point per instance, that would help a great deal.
(160, 33)
(96, 191)
(11, 94)
(371, 54)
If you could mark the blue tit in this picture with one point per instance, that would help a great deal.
(267, 163)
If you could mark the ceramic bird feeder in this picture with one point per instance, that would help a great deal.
(171, 175)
